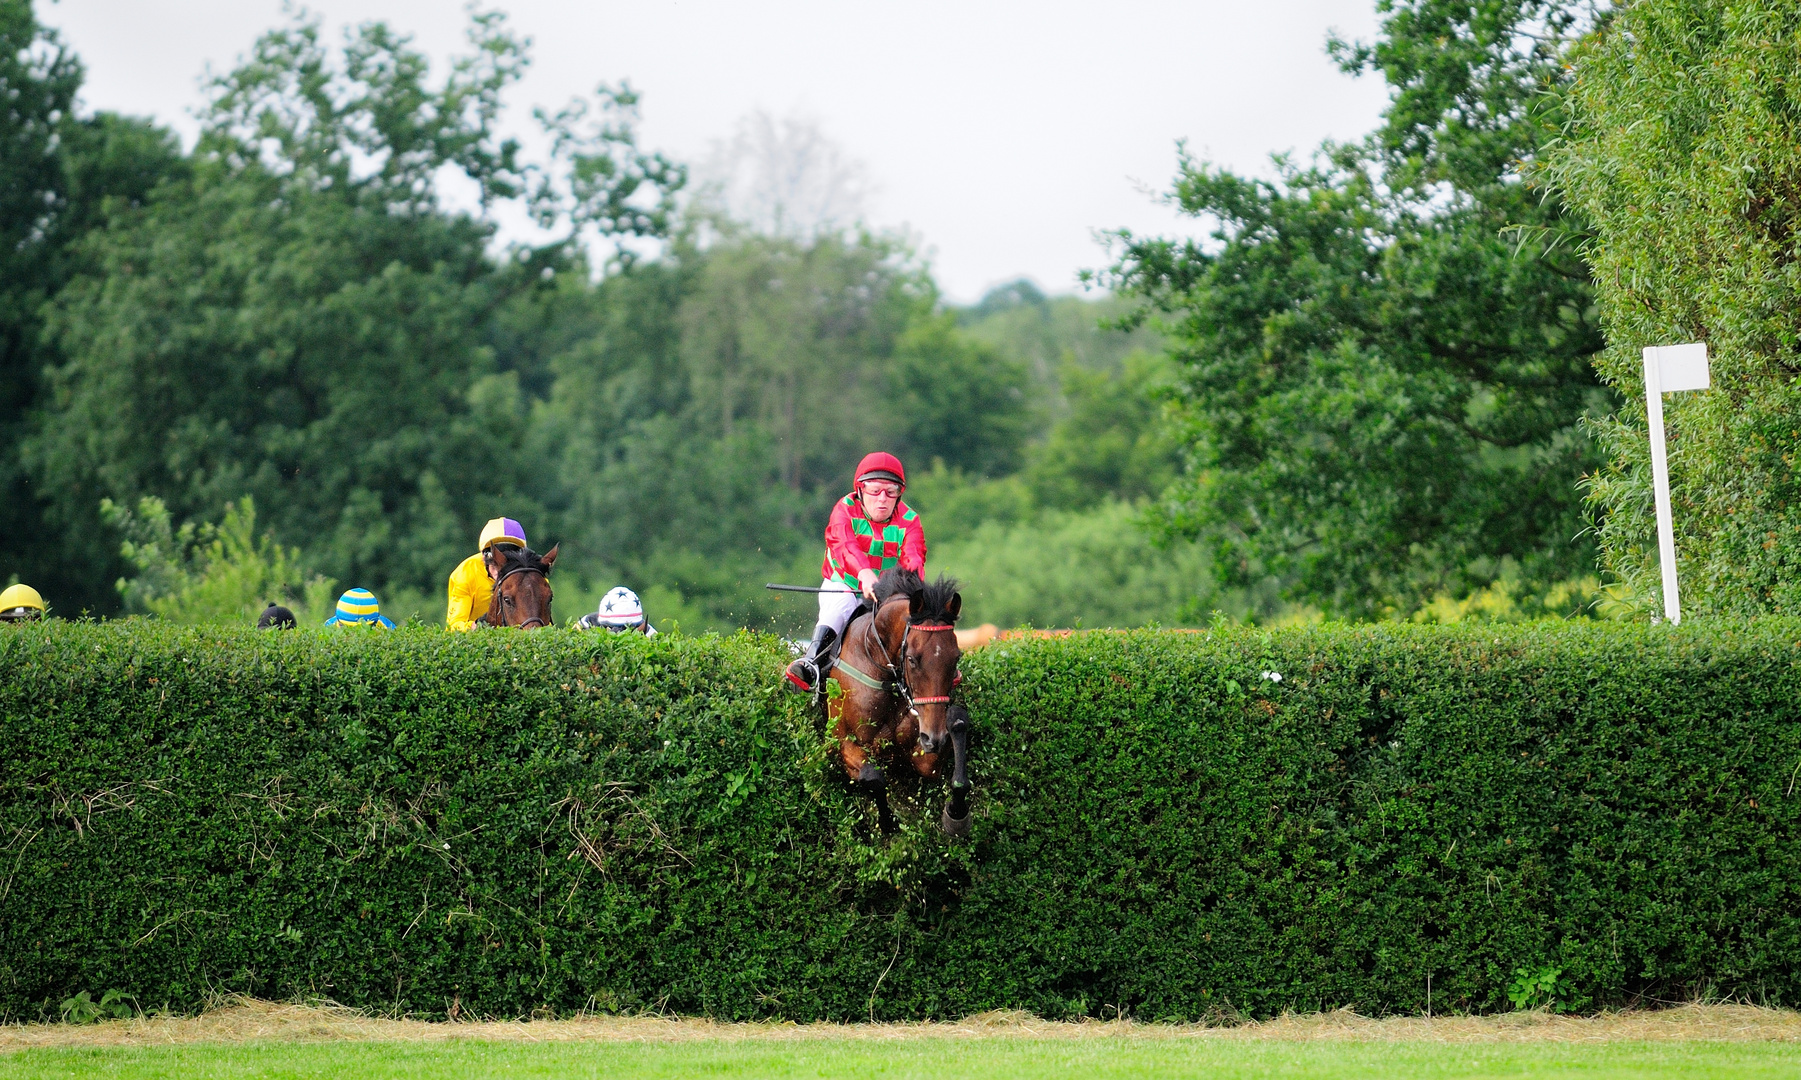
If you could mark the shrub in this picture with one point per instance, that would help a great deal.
(207, 573)
(498, 823)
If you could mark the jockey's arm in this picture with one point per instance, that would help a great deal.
(848, 550)
(468, 595)
(913, 550)
(867, 579)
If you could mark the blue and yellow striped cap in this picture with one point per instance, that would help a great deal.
(359, 607)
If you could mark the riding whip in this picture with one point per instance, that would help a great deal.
(803, 588)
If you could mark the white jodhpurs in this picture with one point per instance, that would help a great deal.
(836, 605)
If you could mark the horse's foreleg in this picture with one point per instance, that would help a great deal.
(872, 782)
(959, 728)
(844, 728)
(861, 744)
(956, 814)
(884, 816)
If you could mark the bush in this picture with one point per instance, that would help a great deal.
(206, 573)
(497, 823)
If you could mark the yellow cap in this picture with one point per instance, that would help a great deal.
(502, 531)
(20, 596)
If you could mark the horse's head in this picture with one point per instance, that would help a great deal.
(928, 654)
(910, 638)
(521, 594)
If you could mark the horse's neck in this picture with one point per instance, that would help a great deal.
(879, 640)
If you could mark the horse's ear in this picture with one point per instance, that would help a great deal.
(550, 557)
(954, 608)
(915, 600)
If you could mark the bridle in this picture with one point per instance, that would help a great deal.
(897, 668)
(516, 568)
(924, 628)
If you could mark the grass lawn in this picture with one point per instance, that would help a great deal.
(927, 1058)
(248, 1038)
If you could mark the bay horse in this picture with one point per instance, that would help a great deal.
(896, 668)
(521, 595)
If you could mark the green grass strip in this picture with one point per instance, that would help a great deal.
(924, 1058)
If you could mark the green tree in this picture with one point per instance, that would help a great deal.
(956, 399)
(1096, 568)
(1684, 150)
(794, 338)
(1385, 355)
(1048, 333)
(711, 405)
(38, 82)
(60, 176)
(299, 319)
(1115, 441)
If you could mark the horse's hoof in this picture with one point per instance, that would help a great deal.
(953, 826)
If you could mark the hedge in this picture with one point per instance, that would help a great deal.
(517, 824)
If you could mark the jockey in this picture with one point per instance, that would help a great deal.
(472, 582)
(20, 603)
(359, 607)
(870, 531)
(619, 611)
(276, 617)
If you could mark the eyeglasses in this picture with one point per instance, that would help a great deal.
(886, 491)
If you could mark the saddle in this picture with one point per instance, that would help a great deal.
(828, 659)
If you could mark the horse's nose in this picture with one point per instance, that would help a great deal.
(928, 743)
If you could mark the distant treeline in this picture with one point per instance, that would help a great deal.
(1370, 392)
(290, 312)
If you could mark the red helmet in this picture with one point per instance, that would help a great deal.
(880, 466)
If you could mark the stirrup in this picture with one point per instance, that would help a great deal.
(798, 685)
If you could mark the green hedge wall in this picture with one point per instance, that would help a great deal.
(508, 824)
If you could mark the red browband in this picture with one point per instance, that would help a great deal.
(928, 628)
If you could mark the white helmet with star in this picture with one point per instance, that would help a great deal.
(619, 610)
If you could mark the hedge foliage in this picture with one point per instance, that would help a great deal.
(507, 824)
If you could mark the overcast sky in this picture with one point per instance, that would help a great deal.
(1001, 133)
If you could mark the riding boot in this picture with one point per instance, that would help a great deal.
(827, 656)
(804, 674)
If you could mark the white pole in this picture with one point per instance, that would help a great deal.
(1660, 482)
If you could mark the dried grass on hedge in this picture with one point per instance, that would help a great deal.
(246, 1020)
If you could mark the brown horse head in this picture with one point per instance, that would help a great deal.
(929, 656)
(895, 700)
(521, 594)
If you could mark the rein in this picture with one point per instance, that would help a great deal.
(898, 683)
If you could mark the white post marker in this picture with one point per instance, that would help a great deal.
(1669, 368)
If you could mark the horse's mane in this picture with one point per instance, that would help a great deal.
(526, 557)
(935, 597)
